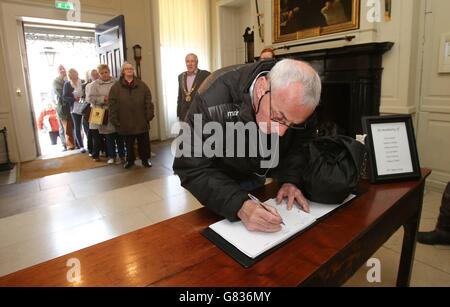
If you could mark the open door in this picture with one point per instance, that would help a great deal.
(111, 44)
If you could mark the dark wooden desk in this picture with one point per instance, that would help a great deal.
(174, 253)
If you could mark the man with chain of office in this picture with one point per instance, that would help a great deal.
(188, 84)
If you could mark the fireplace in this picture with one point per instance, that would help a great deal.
(351, 85)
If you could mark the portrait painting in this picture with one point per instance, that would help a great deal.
(297, 19)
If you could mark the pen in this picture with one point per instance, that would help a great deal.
(256, 200)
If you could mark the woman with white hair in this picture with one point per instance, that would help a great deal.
(131, 110)
(99, 97)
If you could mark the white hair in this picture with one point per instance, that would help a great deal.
(290, 71)
(193, 55)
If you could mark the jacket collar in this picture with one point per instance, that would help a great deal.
(125, 82)
(100, 81)
(250, 73)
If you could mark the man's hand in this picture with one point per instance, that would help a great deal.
(291, 192)
(256, 218)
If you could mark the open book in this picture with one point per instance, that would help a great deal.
(254, 244)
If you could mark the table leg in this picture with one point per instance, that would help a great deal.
(409, 244)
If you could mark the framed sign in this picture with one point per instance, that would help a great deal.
(298, 19)
(392, 148)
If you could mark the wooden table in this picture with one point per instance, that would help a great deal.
(174, 253)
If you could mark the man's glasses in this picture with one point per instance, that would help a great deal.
(282, 122)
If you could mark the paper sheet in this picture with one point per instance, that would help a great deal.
(255, 243)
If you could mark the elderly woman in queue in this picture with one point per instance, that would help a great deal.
(72, 93)
(99, 97)
(131, 110)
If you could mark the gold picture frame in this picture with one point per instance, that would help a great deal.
(299, 19)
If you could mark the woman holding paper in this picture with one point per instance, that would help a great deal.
(99, 97)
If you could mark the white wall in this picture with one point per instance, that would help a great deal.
(233, 17)
(434, 105)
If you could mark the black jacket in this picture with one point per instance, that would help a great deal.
(182, 104)
(224, 98)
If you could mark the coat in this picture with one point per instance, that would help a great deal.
(62, 107)
(131, 107)
(48, 120)
(182, 104)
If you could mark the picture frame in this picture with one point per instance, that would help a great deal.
(299, 19)
(391, 147)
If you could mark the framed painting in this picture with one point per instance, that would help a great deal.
(298, 19)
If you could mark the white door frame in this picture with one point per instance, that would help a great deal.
(23, 137)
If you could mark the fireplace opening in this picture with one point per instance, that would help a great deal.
(334, 109)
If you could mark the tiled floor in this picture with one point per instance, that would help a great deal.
(53, 216)
(432, 263)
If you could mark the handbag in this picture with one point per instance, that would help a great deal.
(333, 169)
(98, 116)
(80, 106)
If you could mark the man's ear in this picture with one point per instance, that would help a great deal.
(261, 86)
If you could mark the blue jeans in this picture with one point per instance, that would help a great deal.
(113, 140)
(77, 130)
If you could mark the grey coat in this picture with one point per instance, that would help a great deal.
(131, 107)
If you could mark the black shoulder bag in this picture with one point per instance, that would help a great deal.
(333, 168)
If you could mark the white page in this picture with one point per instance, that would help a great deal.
(318, 210)
(255, 243)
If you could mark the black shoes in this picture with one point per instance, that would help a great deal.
(433, 238)
(147, 164)
(128, 165)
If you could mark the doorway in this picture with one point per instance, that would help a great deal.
(47, 47)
